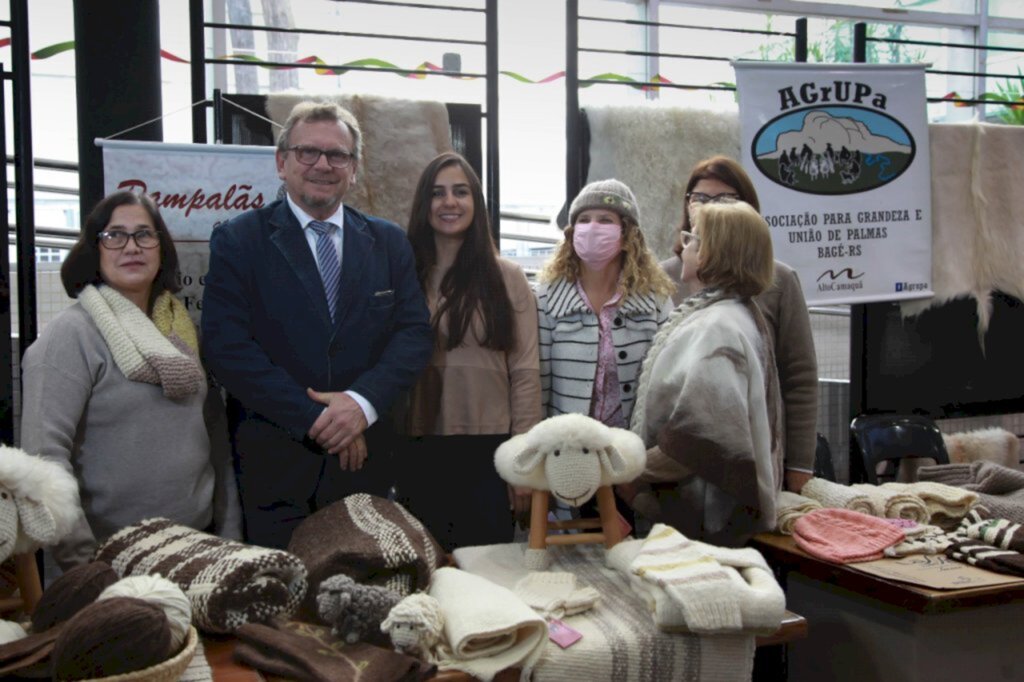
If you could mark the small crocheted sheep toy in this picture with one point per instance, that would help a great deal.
(415, 625)
(38, 502)
(354, 611)
(571, 455)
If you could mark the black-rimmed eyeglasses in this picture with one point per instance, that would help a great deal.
(701, 198)
(308, 156)
(118, 239)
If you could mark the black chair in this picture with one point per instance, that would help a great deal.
(823, 465)
(885, 440)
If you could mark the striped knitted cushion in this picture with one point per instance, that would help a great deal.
(228, 583)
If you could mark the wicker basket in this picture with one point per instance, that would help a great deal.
(170, 670)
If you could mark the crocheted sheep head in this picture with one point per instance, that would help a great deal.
(38, 502)
(415, 625)
(571, 455)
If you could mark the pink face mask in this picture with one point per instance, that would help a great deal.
(597, 243)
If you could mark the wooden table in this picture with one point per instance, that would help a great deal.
(782, 552)
(865, 627)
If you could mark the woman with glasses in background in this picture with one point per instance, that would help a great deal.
(708, 395)
(114, 390)
(721, 179)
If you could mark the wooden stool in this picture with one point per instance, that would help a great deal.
(608, 522)
(30, 588)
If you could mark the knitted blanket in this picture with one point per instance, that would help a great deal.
(198, 669)
(696, 587)
(894, 503)
(944, 502)
(620, 641)
(791, 507)
(228, 583)
(370, 539)
(487, 628)
(837, 495)
(1000, 489)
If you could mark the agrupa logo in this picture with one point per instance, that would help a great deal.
(911, 286)
(837, 142)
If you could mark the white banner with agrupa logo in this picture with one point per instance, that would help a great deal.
(839, 156)
(196, 187)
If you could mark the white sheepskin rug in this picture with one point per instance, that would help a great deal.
(652, 148)
(991, 445)
(399, 138)
(977, 215)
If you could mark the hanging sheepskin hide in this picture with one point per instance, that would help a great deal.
(400, 137)
(652, 149)
(977, 209)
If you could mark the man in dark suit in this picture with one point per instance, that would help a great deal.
(311, 358)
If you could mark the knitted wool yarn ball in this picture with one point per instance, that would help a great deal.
(71, 592)
(162, 592)
(111, 637)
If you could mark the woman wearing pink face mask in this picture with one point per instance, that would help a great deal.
(601, 299)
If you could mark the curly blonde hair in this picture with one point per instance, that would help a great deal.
(641, 274)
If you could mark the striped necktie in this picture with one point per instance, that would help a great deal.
(327, 258)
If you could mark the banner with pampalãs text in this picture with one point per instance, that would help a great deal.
(196, 187)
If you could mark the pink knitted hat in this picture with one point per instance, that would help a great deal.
(844, 536)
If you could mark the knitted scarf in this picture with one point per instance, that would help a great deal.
(161, 350)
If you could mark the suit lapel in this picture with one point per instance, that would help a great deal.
(356, 249)
(290, 240)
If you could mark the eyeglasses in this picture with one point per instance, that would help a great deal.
(336, 158)
(701, 198)
(118, 239)
(688, 237)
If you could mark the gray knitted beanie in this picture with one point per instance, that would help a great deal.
(607, 194)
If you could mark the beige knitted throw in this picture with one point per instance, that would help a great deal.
(143, 352)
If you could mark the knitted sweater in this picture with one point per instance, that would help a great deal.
(569, 345)
(135, 452)
(476, 390)
(706, 407)
(785, 309)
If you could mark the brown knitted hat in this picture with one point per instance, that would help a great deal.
(112, 637)
(71, 592)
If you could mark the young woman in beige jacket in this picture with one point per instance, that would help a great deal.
(482, 383)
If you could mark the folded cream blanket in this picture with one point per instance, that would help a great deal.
(943, 501)
(893, 503)
(791, 507)
(836, 495)
(487, 628)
